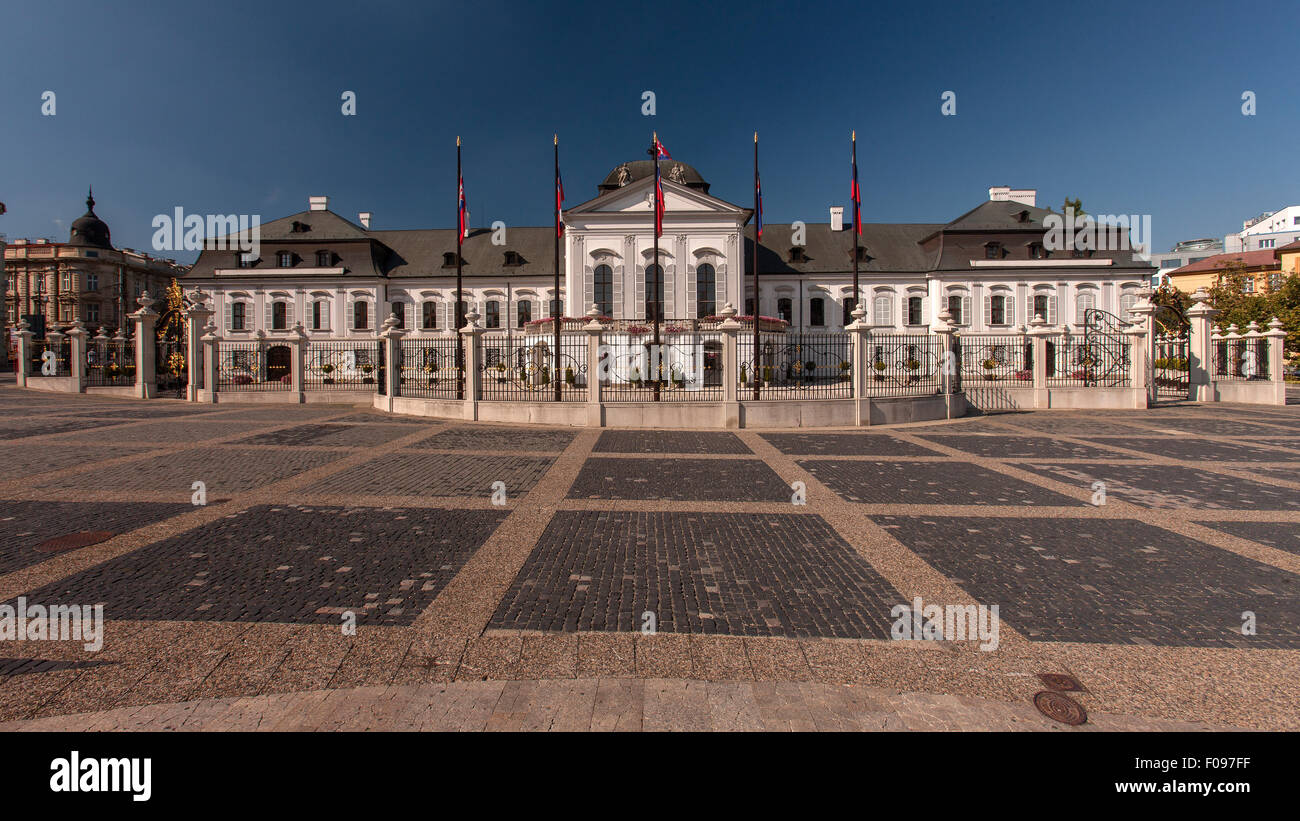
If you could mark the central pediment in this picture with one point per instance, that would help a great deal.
(637, 198)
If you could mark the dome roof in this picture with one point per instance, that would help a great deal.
(628, 172)
(89, 230)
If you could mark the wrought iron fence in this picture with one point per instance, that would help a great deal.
(110, 363)
(1089, 362)
(1007, 360)
(795, 366)
(526, 367)
(253, 366)
(685, 367)
(342, 365)
(171, 370)
(904, 365)
(50, 357)
(1241, 359)
(428, 368)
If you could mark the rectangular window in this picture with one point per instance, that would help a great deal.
(238, 316)
(850, 304)
(998, 311)
(954, 309)
(555, 307)
(92, 312)
(749, 306)
(525, 312)
(881, 313)
(279, 316)
(817, 312)
(493, 314)
(914, 314)
(1040, 307)
(92, 282)
(360, 315)
(429, 315)
(1249, 286)
(785, 308)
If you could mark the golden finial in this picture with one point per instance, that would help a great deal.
(855, 135)
(755, 136)
(458, 141)
(557, 139)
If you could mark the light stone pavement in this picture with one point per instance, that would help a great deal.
(529, 614)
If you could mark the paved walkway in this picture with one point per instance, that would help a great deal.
(1125, 548)
(620, 705)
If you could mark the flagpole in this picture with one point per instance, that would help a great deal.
(457, 319)
(654, 298)
(857, 199)
(757, 205)
(559, 308)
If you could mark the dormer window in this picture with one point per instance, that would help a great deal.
(284, 259)
(513, 258)
(1037, 251)
(798, 254)
(324, 259)
(299, 227)
(449, 259)
(1022, 216)
(863, 256)
(993, 250)
(247, 260)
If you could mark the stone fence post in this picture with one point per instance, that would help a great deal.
(1200, 352)
(1138, 365)
(859, 331)
(77, 355)
(391, 338)
(1038, 333)
(730, 328)
(473, 335)
(1276, 340)
(211, 363)
(1144, 311)
(298, 373)
(145, 348)
(595, 332)
(23, 352)
(196, 320)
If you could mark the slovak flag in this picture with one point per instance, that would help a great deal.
(464, 213)
(660, 151)
(855, 193)
(758, 194)
(559, 203)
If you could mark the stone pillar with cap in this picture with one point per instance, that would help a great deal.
(211, 342)
(77, 355)
(298, 344)
(1038, 333)
(1275, 338)
(391, 338)
(1144, 312)
(196, 319)
(730, 329)
(23, 352)
(1200, 347)
(859, 331)
(472, 333)
(145, 348)
(594, 329)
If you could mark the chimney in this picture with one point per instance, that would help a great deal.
(364, 216)
(837, 217)
(1003, 193)
(318, 203)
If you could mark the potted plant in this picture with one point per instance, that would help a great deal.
(845, 371)
(1024, 375)
(367, 379)
(880, 367)
(569, 378)
(767, 375)
(744, 375)
(327, 369)
(544, 376)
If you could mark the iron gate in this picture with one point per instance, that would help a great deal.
(1170, 349)
(1104, 359)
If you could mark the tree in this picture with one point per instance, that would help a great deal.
(1076, 204)
(1235, 305)
(1284, 303)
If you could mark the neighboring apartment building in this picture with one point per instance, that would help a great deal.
(1187, 252)
(989, 267)
(55, 283)
(1262, 269)
(1266, 232)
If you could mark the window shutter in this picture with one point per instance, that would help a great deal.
(352, 314)
(1051, 310)
(670, 291)
(230, 320)
(288, 313)
(693, 290)
(268, 305)
(588, 289)
(618, 291)
(1010, 310)
(965, 310)
(638, 310)
(988, 311)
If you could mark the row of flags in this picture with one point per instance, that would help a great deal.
(855, 193)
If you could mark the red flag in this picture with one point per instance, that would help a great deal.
(559, 202)
(660, 151)
(464, 214)
(855, 193)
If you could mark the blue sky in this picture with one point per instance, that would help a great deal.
(235, 107)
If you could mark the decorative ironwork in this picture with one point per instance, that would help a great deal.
(686, 367)
(50, 357)
(1240, 359)
(903, 365)
(110, 362)
(1170, 349)
(428, 368)
(253, 366)
(796, 366)
(348, 366)
(515, 368)
(1103, 359)
(1007, 360)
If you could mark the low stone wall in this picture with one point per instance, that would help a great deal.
(57, 384)
(1253, 392)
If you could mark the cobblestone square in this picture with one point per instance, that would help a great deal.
(669, 441)
(928, 483)
(711, 480)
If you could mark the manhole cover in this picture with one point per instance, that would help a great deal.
(72, 541)
(1060, 708)
(1060, 681)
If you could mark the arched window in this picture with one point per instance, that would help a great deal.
(1127, 299)
(706, 294)
(493, 314)
(429, 315)
(654, 305)
(882, 310)
(817, 312)
(603, 293)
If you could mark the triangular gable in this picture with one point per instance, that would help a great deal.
(631, 198)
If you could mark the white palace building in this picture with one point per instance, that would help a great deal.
(988, 267)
